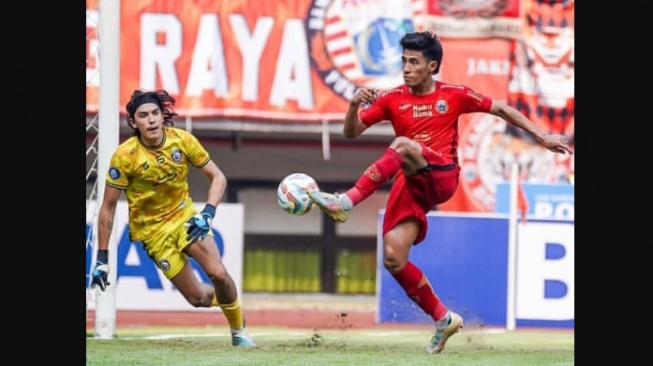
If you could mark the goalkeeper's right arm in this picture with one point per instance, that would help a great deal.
(105, 226)
(106, 216)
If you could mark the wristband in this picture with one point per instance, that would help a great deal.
(209, 209)
(103, 256)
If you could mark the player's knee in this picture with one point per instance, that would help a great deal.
(201, 300)
(392, 262)
(196, 303)
(408, 149)
(199, 295)
(218, 275)
(393, 259)
(401, 144)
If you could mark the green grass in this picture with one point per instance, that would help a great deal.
(279, 346)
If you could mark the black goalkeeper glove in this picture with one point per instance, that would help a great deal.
(200, 224)
(101, 271)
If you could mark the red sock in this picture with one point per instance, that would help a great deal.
(375, 175)
(418, 289)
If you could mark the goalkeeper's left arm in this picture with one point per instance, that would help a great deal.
(200, 224)
(218, 182)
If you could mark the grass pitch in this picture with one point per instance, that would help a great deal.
(181, 346)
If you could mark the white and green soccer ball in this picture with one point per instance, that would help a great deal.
(292, 193)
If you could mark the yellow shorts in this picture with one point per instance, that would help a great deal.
(166, 250)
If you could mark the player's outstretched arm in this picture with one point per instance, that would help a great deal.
(218, 182)
(553, 142)
(106, 216)
(199, 225)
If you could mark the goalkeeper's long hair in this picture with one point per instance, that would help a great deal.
(159, 97)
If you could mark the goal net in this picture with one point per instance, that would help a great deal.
(102, 136)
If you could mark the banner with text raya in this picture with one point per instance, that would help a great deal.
(285, 60)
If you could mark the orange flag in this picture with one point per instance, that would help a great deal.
(522, 202)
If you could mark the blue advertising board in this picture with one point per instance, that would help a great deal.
(465, 257)
(465, 260)
(545, 201)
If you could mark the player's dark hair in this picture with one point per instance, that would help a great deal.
(160, 97)
(425, 42)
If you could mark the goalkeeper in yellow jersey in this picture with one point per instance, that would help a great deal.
(151, 167)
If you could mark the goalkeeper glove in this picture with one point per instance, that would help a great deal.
(101, 271)
(200, 224)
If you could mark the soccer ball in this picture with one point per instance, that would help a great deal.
(292, 193)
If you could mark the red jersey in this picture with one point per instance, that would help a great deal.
(430, 119)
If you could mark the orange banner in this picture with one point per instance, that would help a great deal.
(542, 87)
(536, 76)
(284, 60)
(482, 64)
(302, 60)
(473, 18)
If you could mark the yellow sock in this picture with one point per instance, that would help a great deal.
(214, 302)
(234, 314)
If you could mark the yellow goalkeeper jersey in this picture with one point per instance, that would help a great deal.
(155, 181)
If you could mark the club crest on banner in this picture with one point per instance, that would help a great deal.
(355, 44)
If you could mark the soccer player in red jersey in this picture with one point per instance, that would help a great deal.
(423, 159)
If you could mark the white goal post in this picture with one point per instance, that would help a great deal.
(107, 54)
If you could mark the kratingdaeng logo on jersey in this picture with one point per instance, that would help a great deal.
(356, 43)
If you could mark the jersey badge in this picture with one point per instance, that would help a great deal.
(441, 106)
(176, 155)
(114, 173)
(164, 265)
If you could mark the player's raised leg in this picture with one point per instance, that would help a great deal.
(338, 206)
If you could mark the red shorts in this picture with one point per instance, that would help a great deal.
(414, 196)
